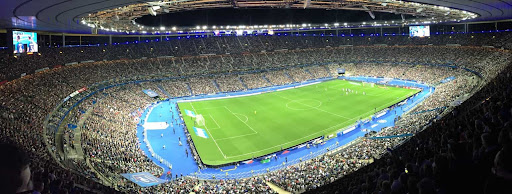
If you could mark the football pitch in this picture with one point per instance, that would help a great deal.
(242, 128)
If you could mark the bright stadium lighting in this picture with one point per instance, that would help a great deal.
(162, 28)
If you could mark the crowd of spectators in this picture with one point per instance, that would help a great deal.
(108, 135)
(244, 50)
(26, 102)
(467, 151)
(230, 83)
(254, 80)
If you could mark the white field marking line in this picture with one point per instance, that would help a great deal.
(233, 137)
(246, 118)
(355, 118)
(209, 133)
(302, 108)
(241, 119)
(313, 107)
(218, 126)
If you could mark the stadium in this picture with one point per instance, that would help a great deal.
(249, 96)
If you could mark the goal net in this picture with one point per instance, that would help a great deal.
(199, 120)
(368, 84)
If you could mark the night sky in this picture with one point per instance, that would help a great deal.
(231, 16)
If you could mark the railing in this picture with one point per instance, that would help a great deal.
(151, 151)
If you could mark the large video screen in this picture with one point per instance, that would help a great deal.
(24, 42)
(419, 31)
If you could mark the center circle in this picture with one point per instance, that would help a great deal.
(303, 104)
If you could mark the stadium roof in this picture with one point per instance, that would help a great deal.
(75, 16)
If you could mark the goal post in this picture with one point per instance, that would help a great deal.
(369, 84)
(199, 120)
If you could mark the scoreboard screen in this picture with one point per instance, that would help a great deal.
(24, 42)
(419, 31)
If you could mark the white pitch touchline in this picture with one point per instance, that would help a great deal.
(218, 126)
(312, 107)
(209, 133)
(355, 118)
(241, 119)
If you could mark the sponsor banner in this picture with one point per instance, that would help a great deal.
(160, 57)
(82, 89)
(74, 93)
(349, 130)
(448, 79)
(382, 113)
(88, 61)
(23, 75)
(73, 63)
(3, 82)
(248, 162)
(270, 156)
(190, 113)
(150, 93)
(265, 161)
(143, 179)
(392, 136)
(42, 69)
(66, 99)
(200, 132)
(301, 146)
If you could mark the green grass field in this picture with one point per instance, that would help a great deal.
(245, 127)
